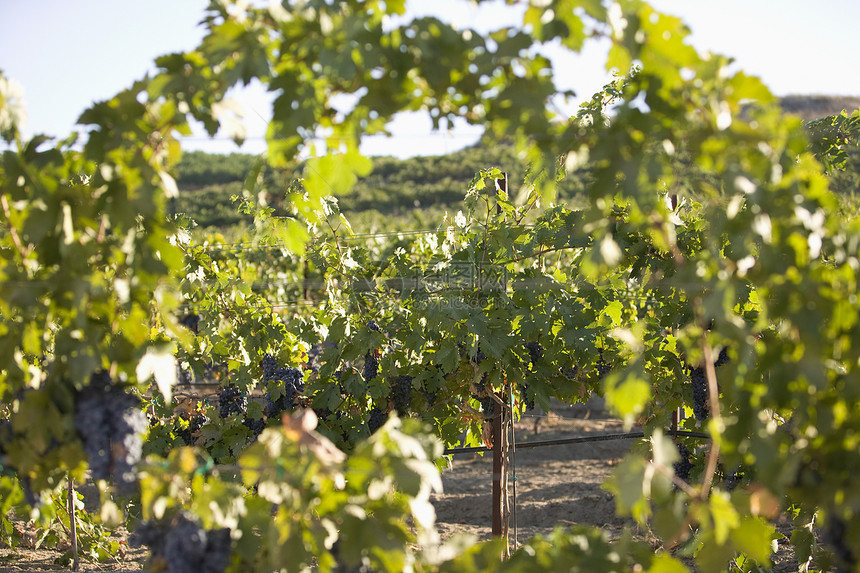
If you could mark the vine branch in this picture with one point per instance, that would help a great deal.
(12, 231)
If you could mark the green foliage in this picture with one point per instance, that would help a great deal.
(313, 506)
(197, 169)
(835, 141)
(706, 227)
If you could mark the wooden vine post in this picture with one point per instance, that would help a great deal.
(502, 418)
(73, 526)
(501, 509)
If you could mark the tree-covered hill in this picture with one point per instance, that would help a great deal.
(811, 107)
(207, 181)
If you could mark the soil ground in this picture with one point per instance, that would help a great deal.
(555, 486)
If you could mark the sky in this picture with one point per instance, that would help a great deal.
(68, 54)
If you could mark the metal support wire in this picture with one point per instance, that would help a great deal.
(577, 440)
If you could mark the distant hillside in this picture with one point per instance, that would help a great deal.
(206, 181)
(816, 106)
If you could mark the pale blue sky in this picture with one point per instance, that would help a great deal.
(69, 53)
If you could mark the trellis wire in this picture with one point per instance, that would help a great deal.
(576, 440)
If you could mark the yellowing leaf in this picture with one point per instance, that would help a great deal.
(665, 563)
(753, 538)
(626, 484)
(725, 516)
(626, 395)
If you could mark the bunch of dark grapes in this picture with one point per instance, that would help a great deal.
(535, 353)
(731, 480)
(290, 382)
(215, 371)
(371, 366)
(429, 397)
(129, 427)
(196, 420)
(488, 407)
(269, 364)
(701, 392)
(723, 357)
(191, 321)
(231, 400)
(255, 425)
(683, 466)
(314, 357)
(488, 404)
(401, 394)
(111, 424)
(372, 326)
(835, 535)
(701, 409)
(182, 546)
(527, 398)
(322, 413)
(31, 498)
(7, 434)
(376, 419)
(603, 368)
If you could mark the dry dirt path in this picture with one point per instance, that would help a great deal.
(555, 485)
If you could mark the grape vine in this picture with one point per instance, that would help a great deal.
(705, 222)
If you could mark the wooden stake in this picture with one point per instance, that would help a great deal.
(500, 471)
(73, 526)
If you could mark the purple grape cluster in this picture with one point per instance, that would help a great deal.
(429, 396)
(535, 353)
(527, 397)
(488, 404)
(196, 420)
(488, 407)
(255, 425)
(31, 498)
(371, 366)
(836, 535)
(283, 385)
(401, 394)
(269, 364)
(480, 356)
(376, 419)
(191, 321)
(603, 368)
(182, 546)
(723, 357)
(683, 466)
(314, 357)
(111, 424)
(231, 400)
(701, 392)
(701, 408)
